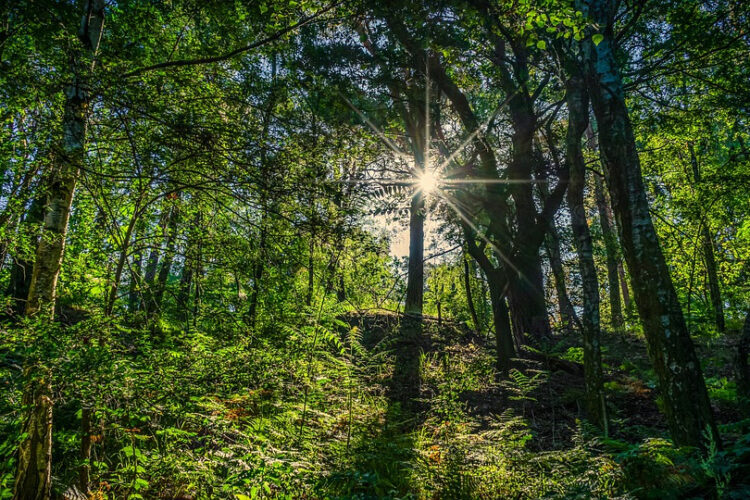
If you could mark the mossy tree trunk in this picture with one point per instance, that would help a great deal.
(578, 108)
(681, 385)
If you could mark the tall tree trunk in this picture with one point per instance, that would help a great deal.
(469, 294)
(188, 266)
(568, 316)
(310, 270)
(707, 244)
(35, 450)
(578, 108)
(611, 247)
(136, 278)
(527, 302)
(678, 370)
(624, 287)
(258, 269)
(415, 278)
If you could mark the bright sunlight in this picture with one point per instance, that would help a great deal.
(428, 181)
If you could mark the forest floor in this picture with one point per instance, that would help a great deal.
(368, 405)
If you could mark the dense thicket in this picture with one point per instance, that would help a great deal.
(201, 295)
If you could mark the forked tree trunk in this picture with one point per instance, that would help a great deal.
(526, 294)
(578, 107)
(504, 345)
(121, 261)
(678, 371)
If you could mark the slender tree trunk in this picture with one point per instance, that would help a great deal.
(469, 294)
(676, 365)
(85, 471)
(707, 244)
(611, 247)
(112, 296)
(169, 252)
(568, 316)
(136, 278)
(258, 269)
(188, 266)
(310, 270)
(578, 107)
(415, 279)
(497, 283)
(624, 287)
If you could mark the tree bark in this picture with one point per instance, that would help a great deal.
(504, 345)
(683, 390)
(415, 278)
(526, 293)
(84, 472)
(578, 107)
(35, 453)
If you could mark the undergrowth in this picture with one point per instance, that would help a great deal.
(307, 413)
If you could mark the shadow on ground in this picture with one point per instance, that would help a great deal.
(381, 458)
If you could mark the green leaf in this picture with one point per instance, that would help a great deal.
(597, 39)
(541, 44)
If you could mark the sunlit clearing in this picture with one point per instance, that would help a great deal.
(428, 182)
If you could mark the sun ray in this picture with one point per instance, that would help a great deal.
(377, 131)
(482, 236)
(473, 135)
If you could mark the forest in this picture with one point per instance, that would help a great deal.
(345, 249)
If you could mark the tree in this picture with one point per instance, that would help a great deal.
(677, 367)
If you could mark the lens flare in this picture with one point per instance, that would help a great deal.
(427, 182)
